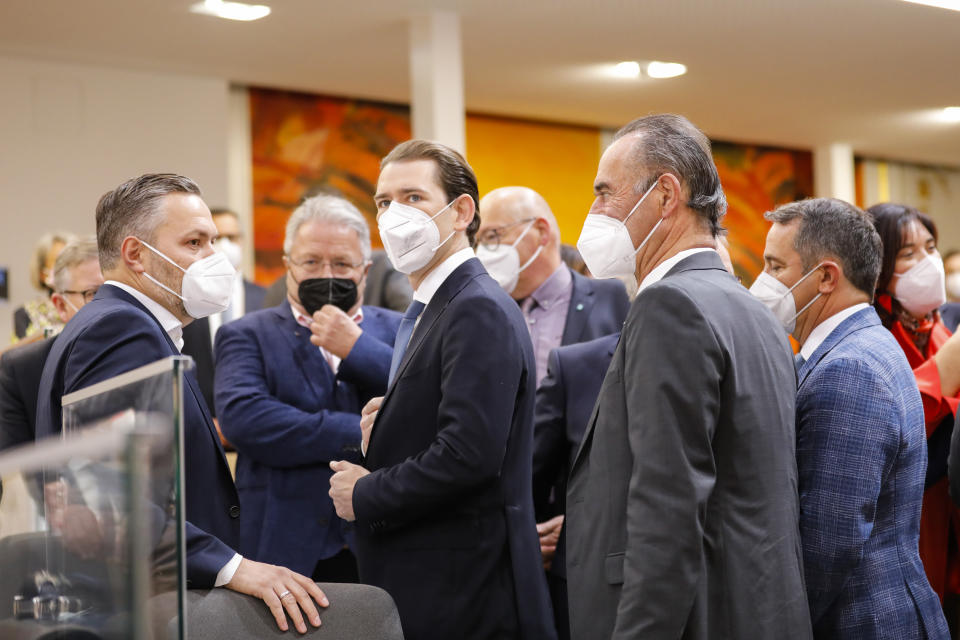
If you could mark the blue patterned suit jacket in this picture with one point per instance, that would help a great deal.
(861, 457)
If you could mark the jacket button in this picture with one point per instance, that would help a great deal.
(234, 511)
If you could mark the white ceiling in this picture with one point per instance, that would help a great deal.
(798, 73)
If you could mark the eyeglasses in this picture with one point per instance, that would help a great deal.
(87, 294)
(491, 238)
(313, 267)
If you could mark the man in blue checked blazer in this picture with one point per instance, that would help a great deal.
(861, 449)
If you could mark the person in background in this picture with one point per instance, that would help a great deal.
(572, 258)
(519, 245)
(289, 406)
(682, 508)
(30, 320)
(861, 443)
(909, 292)
(246, 297)
(387, 287)
(950, 311)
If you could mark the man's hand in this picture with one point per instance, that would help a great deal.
(549, 533)
(280, 589)
(367, 418)
(334, 330)
(341, 487)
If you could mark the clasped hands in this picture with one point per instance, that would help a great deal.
(346, 474)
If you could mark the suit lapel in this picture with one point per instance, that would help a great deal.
(860, 320)
(581, 303)
(312, 365)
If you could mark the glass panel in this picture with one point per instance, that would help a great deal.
(91, 525)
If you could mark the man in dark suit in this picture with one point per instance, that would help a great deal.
(682, 509)
(519, 244)
(247, 296)
(861, 439)
(76, 278)
(155, 242)
(443, 507)
(565, 399)
(290, 407)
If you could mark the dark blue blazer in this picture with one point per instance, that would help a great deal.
(20, 372)
(288, 416)
(950, 315)
(597, 308)
(861, 458)
(565, 401)
(445, 520)
(113, 334)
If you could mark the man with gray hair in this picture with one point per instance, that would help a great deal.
(861, 440)
(155, 241)
(682, 504)
(289, 406)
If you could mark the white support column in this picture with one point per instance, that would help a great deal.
(833, 175)
(436, 79)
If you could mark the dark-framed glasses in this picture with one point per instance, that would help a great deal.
(86, 293)
(314, 267)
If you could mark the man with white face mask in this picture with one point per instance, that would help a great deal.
(443, 503)
(857, 402)
(519, 244)
(155, 240)
(246, 296)
(681, 504)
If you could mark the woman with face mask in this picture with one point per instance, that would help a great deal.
(910, 291)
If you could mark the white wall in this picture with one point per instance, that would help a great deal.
(69, 133)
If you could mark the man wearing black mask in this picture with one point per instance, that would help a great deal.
(290, 383)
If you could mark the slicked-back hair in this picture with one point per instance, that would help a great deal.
(670, 143)
(891, 221)
(454, 175)
(133, 209)
(832, 229)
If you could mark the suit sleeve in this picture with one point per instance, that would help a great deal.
(14, 421)
(549, 436)
(478, 398)
(367, 365)
(672, 376)
(838, 501)
(263, 427)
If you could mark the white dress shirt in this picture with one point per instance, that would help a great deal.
(664, 267)
(440, 273)
(823, 330)
(174, 329)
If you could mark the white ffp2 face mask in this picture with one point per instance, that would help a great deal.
(410, 237)
(503, 263)
(606, 246)
(778, 297)
(207, 283)
(920, 289)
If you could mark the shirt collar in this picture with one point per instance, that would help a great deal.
(306, 321)
(823, 330)
(553, 288)
(664, 267)
(167, 320)
(440, 273)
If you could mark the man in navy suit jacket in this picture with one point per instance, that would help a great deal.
(560, 306)
(443, 507)
(291, 407)
(861, 448)
(135, 319)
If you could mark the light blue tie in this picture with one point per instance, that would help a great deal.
(404, 333)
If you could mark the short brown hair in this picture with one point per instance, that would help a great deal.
(454, 175)
(131, 210)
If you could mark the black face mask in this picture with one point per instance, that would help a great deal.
(316, 292)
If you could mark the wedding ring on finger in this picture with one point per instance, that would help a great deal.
(284, 594)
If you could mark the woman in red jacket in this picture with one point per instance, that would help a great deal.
(909, 292)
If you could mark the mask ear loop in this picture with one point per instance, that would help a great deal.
(535, 253)
(635, 207)
(796, 284)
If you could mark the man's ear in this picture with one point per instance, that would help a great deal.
(131, 253)
(670, 193)
(830, 278)
(466, 208)
(60, 303)
(543, 228)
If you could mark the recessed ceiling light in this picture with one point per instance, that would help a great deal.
(940, 4)
(231, 10)
(658, 69)
(627, 70)
(951, 114)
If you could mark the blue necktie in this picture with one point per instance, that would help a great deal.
(404, 333)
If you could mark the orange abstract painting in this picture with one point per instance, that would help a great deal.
(305, 144)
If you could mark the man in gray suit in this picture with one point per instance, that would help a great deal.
(682, 503)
